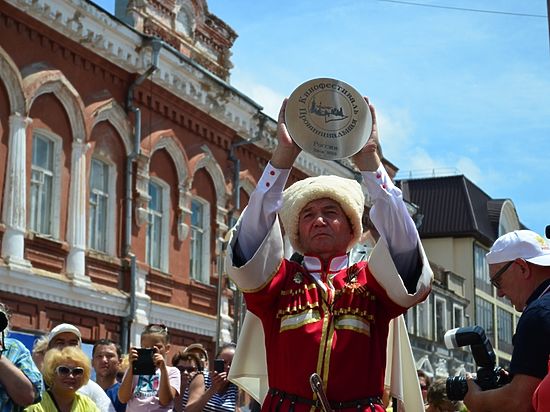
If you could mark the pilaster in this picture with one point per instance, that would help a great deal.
(15, 195)
(77, 224)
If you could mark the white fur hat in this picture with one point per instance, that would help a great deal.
(346, 192)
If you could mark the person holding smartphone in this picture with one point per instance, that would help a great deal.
(213, 392)
(149, 383)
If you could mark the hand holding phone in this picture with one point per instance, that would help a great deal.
(144, 364)
(219, 365)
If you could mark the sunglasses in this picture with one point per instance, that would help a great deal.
(66, 371)
(188, 369)
(495, 279)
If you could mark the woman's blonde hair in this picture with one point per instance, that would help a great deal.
(56, 357)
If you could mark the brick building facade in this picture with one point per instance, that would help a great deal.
(124, 150)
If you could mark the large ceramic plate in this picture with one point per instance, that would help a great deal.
(328, 118)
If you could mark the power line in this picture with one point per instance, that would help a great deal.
(411, 3)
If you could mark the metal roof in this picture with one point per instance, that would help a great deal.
(454, 206)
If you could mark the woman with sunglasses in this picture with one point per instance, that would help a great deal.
(188, 364)
(211, 391)
(65, 371)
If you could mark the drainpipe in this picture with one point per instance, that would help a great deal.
(236, 206)
(156, 45)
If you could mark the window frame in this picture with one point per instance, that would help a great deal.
(481, 273)
(204, 275)
(460, 308)
(110, 216)
(438, 300)
(505, 345)
(164, 226)
(55, 213)
(411, 320)
(424, 331)
(484, 304)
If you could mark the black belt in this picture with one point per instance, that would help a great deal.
(358, 403)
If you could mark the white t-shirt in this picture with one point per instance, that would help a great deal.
(145, 391)
(98, 395)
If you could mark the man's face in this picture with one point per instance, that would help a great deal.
(510, 283)
(105, 361)
(324, 229)
(64, 339)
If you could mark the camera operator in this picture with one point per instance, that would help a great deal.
(20, 380)
(519, 266)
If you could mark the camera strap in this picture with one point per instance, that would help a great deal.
(544, 291)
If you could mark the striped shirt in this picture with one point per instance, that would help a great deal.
(220, 402)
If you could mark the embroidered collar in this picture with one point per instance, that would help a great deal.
(314, 265)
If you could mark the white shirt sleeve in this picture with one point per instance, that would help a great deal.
(391, 218)
(98, 395)
(260, 213)
(389, 215)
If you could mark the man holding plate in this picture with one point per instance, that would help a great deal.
(323, 314)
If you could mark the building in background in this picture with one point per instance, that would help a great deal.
(125, 155)
(460, 223)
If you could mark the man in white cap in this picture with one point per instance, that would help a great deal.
(519, 267)
(323, 314)
(64, 335)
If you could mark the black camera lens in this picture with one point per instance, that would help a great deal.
(456, 388)
(3, 321)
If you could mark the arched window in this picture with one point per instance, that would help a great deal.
(184, 21)
(101, 222)
(200, 240)
(44, 190)
(508, 220)
(157, 228)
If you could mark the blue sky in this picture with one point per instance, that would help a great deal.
(454, 89)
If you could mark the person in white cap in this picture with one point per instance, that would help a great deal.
(323, 314)
(64, 335)
(519, 267)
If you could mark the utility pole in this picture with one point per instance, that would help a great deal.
(548, 17)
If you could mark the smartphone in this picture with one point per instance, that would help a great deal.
(144, 364)
(219, 365)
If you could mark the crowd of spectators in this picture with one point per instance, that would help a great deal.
(58, 376)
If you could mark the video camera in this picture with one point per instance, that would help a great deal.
(488, 376)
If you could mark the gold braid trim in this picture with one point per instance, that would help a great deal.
(312, 317)
(301, 308)
(301, 291)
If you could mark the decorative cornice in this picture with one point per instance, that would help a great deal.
(119, 44)
(38, 284)
(185, 320)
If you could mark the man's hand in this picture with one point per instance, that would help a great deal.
(286, 151)
(472, 396)
(512, 397)
(368, 158)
